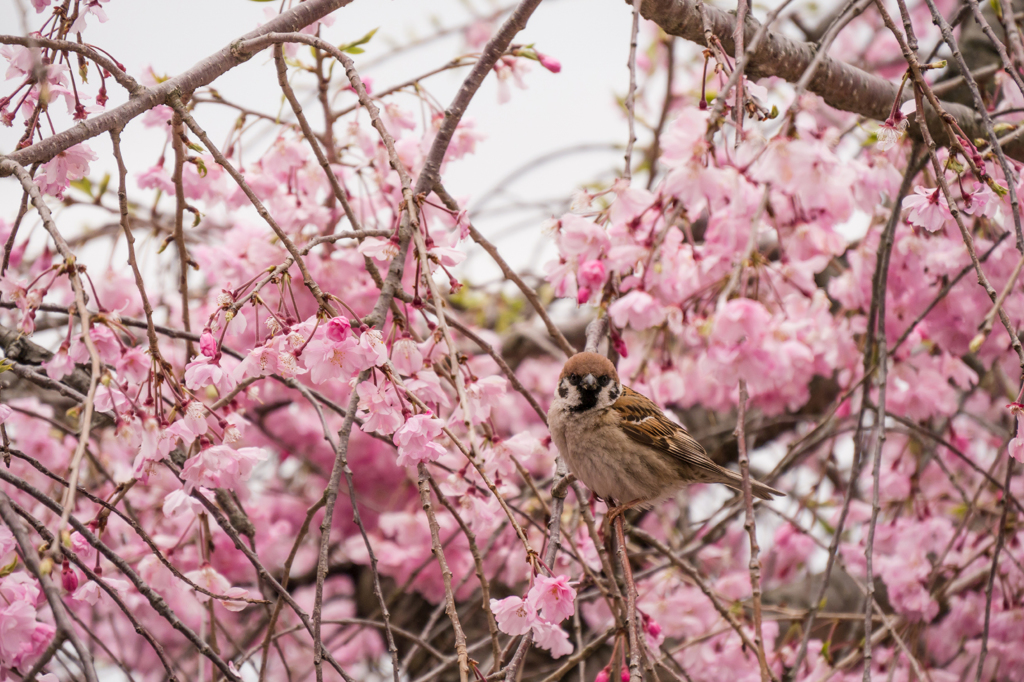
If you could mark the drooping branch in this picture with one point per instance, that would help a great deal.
(144, 99)
(841, 85)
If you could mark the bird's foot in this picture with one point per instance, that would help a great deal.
(617, 511)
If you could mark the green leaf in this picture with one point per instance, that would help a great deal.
(5, 365)
(997, 188)
(353, 48)
(104, 183)
(9, 568)
(83, 185)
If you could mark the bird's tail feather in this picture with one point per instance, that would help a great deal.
(759, 490)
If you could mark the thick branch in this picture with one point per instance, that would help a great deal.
(203, 73)
(841, 85)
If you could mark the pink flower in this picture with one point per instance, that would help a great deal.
(207, 344)
(7, 543)
(85, 9)
(684, 139)
(89, 591)
(133, 364)
(338, 328)
(890, 132)
(260, 361)
(332, 360)
(5, 413)
(179, 502)
(509, 68)
(203, 371)
(375, 352)
(1016, 445)
(406, 356)
(484, 394)
(447, 256)
(792, 549)
(381, 250)
(551, 637)
(58, 173)
(220, 466)
(549, 63)
(637, 309)
(59, 365)
(68, 578)
(379, 407)
(741, 319)
(427, 387)
(513, 615)
(415, 440)
(17, 623)
(210, 580)
(553, 598)
(928, 208)
(581, 238)
(107, 345)
(591, 274)
(156, 178)
(155, 446)
(652, 631)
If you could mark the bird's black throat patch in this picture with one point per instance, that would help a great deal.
(588, 400)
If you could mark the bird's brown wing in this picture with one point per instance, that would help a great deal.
(643, 422)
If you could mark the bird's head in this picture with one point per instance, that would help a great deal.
(589, 381)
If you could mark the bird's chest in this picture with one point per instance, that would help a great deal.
(596, 452)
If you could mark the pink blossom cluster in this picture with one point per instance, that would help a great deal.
(548, 602)
(751, 258)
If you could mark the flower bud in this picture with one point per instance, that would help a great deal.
(207, 344)
(549, 63)
(68, 578)
(338, 328)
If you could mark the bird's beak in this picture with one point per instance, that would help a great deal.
(589, 382)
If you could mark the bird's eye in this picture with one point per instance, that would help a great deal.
(574, 379)
(603, 381)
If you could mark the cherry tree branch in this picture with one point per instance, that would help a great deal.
(841, 85)
(143, 99)
(57, 608)
(748, 502)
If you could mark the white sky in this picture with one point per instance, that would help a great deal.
(575, 107)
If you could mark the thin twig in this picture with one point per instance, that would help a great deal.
(627, 171)
(748, 502)
(446, 574)
(57, 609)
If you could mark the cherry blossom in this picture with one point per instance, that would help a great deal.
(729, 256)
(928, 208)
(415, 440)
(67, 166)
(220, 466)
(552, 597)
(514, 615)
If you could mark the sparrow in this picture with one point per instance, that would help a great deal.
(621, 445)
